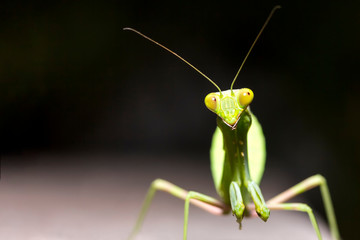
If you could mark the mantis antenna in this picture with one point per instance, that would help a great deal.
(174, 53)
(257, 37)
(182, 59)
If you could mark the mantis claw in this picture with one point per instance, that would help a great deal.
(264, 213)
(239, 222)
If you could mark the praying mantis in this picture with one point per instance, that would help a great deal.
(237, 157)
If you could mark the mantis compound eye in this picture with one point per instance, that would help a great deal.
(245, 97)
(212, 102)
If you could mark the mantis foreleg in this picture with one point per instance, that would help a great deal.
(260, 207)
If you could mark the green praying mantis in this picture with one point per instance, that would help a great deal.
(237, 163)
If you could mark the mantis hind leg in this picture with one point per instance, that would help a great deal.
(207, 203)
(307, 184)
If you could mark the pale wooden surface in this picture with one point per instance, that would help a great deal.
(98, 197)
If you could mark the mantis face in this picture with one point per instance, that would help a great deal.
(230, 104)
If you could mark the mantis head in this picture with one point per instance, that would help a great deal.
(230, 104)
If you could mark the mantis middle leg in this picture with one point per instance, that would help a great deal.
(277, 202)
(205, 202)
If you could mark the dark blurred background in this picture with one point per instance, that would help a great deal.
(72, 80)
